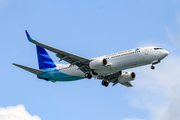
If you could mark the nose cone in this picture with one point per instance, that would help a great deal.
(165, 53)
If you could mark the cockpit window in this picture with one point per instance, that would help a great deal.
(157, 48)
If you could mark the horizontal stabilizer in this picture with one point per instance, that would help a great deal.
(32, 70)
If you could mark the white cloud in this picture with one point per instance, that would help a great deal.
(16, 113)
(158, 90)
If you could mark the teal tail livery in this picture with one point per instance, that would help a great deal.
(107, 68)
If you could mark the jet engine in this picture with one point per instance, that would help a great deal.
(95, 64)
(126, 76)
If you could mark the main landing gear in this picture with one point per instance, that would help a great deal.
(105, 83)
(88, 75)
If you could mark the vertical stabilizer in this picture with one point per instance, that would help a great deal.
(44, 59)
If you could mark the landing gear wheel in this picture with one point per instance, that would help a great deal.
(88, 75)
(105, 83)
(152, 67)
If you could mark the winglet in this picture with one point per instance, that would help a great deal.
(28, 36)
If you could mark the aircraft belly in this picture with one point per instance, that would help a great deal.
(103, 71)
(73, 72)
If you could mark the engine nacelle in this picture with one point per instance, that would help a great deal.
(95, 64)
(126, 76)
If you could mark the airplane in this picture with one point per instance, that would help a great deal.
(107, 68)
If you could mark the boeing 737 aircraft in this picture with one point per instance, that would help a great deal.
(108, 68)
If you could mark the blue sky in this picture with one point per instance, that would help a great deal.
(90, 29)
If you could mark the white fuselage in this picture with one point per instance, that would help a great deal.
(107, 68)
(120, 61)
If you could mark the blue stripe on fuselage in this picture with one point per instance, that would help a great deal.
(52, 74)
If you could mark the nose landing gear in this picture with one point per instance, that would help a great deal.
(155, 62)
(152, 67)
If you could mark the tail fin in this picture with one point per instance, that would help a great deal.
(44, 59)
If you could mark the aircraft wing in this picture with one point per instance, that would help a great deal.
(81, 62)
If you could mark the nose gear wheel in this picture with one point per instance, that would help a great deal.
(152, 67)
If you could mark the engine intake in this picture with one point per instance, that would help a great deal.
(97, 63)
(126, 76)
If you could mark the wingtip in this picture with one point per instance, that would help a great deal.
(28, 36)
(15, 64)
